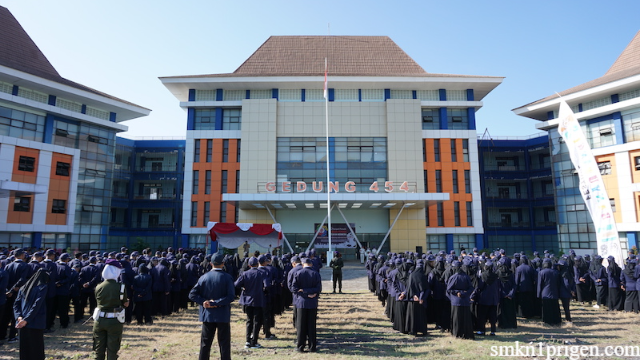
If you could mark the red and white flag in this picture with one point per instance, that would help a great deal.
(326, 88)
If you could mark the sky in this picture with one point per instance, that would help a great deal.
(122, 47)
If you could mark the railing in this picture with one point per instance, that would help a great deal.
(546, 224)
(149, 197)
(521, 224)
(510, 196)
(503, 168)
(149, 168)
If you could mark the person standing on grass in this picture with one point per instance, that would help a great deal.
(253, 282)
(17, 271)
(29, 310)
(567, 287)
(616, 295)
(459, 288)
(142, 296)
(307, 285)
(549, 283)
(111, 298)
(337, 264)
(489, 298)
(599, 277)
(628, 279)
(215, 292)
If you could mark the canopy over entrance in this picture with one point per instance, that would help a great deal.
(232, 235)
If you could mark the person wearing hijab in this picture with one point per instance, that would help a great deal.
(489, 298)
(30, 313)
(599, 277)
(616, 301)
(141, 287)
(416, 294)
(548, 291)
(582, 280)
(525, 278)
(111, 298)
(391, 275)
(440, 302)
(459, 288)
(400, 286)
(507, 309)
(567, 287)
(628, 283)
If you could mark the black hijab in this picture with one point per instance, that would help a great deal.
(488, 275)
(39, 279)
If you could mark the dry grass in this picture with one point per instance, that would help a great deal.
(350, 326)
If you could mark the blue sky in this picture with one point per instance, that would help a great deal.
(122, 47)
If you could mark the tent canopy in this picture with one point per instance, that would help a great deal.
(232, 235)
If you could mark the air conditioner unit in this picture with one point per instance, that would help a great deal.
(456, 118)
(604, 132)
(427, 119)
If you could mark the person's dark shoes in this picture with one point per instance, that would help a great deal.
(48, 331)
(313, 350)
(256, 346)
(334, 291)
(12, 340)
(270, 337)
(492, 334)
(300, 350)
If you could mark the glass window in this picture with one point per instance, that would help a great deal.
(238, 151)
(465, 150)
(231, 119)
(467, 182)
(196, 151)
(430, 119)
(436, 149)
(605, 167)
(209, 150)
(196, 181)
(455, 181)
(456, 213)
(224, 182)
(225, 150)
(454, 156)
(26, 163)
(22, 204)
(207, 212)
(469, 214)
(440, 211)
(194, 213)
(205, 119)
(223, 212)
(457, 119)
(62, 168)
(439, 181)
(207, 182)
(59, 206)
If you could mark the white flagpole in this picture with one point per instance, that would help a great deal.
(326, 105)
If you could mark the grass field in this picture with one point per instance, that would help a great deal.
(350, 326)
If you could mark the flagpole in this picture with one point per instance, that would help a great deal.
(326, 111)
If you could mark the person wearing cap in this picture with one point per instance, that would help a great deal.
(337, 264)
(49, 264)
(161, 287)
(89, 278)
(307, 285)
(459, 288)
(296, 265)
(269, 319)
(18, 272)
(4, 284)
(253, 282)
(142, 296)
(74, 292)
(525, 278)
(62, 287)
(215, 292)
(29, 312)
(489, 298)
(111, 298)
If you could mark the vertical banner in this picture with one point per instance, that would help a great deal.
(591, 185)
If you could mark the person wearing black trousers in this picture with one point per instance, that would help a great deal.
(616, 295)
(548, 290)
(567, 287)
(29, 311)
(628, 280)
(307, 285)
(489, 298)
(142, 296)
(252, 283)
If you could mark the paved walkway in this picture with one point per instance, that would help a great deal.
(354, 277)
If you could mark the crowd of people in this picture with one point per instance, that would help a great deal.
(141, 286)
(462, 293)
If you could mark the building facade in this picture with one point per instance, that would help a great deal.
(57, 144)
(402, 145)
(608, 109)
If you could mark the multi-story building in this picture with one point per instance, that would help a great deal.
(147, 193)
(57, 143)
(517, 194)
(608, 109)
(402, 144)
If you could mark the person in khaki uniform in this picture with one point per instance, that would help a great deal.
(111, 299)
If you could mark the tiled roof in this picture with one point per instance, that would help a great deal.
(627, 64)
(346, 56)
(19, 52)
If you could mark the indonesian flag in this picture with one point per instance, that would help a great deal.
(326, 88)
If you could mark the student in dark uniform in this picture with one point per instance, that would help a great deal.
(17, 271)
(459, 288)
(489, 298)
(268, 318)
(567, 287)
(214, 292)
(252, 282)
(307, 285)
(507, 309)
(548, 291)
(599, 278)
(628, 279)
(416, 293)
(400, 304)
(440, 302)
(74, 292)
(29, 310)
(525, 278)
(111, 299)
(582, 280)
(297, 266)
(4, 283)
(142, 296)
(616, 295)
(63, 285)
(337, 264)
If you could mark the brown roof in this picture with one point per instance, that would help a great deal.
(346, 56)
(627, 64)
(19, 52)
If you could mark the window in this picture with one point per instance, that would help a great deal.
(469, 214)
(436, 149)
(237, 183)
(424, 151)
(430, 119)
(426, 181)
(440, 214)
(207, 211)
(455, 181)
(454, 155)
(467, 181)
(456, 213)
(613, 204)
(636, 161)
(465, 150)
(22, 204)
(238, 151)
(194, 213)
(605, 167)
(426, 216)
(225, 150)
(26, 163)
(59, 206)
(196, 151)
(223, 212)
(439, 181)
(209, 150)
(223, 188)
(196, 182)
(205, 119)
(207, 182)
(457, 119)
(231, 119)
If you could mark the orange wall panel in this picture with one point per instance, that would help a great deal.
(28, 177)
(19, 217)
